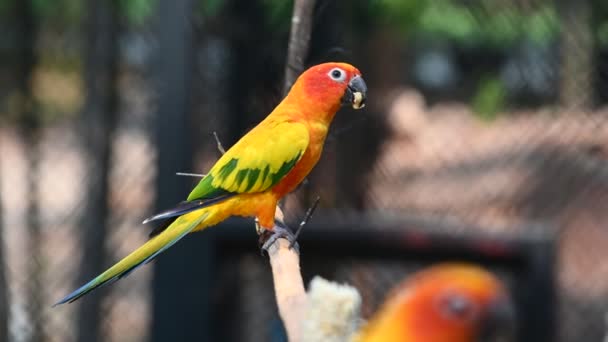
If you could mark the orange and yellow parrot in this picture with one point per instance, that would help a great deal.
(445, 303)
(256, 172)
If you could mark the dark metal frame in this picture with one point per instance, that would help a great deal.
(530, 258)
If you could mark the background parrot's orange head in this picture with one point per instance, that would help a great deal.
(329, 85)
(447, 302)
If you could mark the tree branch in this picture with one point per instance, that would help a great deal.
(220, 147)
(301, 27)
(288, 285)
(285, 260)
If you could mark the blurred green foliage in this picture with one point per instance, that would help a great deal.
(137, 11)
(469, 23)
(69, 13)
(602, 34)
(499, 25)
(60, 12)
(211, 8)
(490, 98)
(278, 14)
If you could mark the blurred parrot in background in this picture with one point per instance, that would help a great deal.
(261, 168)
(444, 303)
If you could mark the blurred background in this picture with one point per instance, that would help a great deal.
(485, 139)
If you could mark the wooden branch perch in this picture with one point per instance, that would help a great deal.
(329, 312)
(288, 285)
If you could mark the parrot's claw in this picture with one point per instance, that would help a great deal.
(269, 237)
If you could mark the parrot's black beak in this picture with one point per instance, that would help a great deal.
(499, 323)
(355, 93)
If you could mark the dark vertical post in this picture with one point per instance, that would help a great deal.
(99, 118)
(30, 128)
(182, 275)
(244, 67)
(4, 298)
(538, 286)
(577, 51)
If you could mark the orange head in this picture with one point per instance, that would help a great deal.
(444, 303)
(323, 88)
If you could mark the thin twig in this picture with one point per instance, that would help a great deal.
(220, 147)
(307, 217)
(188, 174)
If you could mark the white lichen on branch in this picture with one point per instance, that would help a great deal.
(329, 312)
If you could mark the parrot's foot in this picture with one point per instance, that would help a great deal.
(269, 237)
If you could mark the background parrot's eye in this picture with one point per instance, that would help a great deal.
(337, 74)
(456, 306)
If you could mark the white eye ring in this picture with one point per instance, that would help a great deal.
(337, 74)
(457, 306)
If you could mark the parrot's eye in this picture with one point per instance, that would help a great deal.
(337, 74)
(457, 306)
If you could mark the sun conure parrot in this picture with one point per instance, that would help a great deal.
(258, 170)
(445, 303)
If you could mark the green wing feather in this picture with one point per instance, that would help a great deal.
(256, 162)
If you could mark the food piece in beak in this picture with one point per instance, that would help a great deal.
(355, 93)
(358, 100)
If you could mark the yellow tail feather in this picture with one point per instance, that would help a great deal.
(144, 254)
